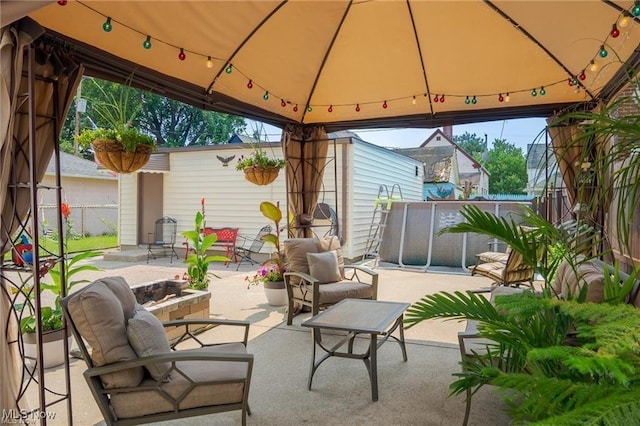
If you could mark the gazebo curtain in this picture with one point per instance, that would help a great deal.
(305, 150)
(57, 77)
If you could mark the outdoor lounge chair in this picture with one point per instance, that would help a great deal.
(513, 271)
(137, 376)
(164, 238)
(317, 276)
(244, 253)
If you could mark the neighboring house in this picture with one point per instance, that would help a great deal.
(91, 193)
(449, 170)
(176, 179)
(542, 170)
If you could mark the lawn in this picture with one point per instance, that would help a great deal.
(98, 242)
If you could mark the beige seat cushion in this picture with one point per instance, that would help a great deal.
(151, 401)
(97, 312)
(568, 283)
(147, 337)
(335, 292)
(324, 267)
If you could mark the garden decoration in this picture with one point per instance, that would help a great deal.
(258, 168)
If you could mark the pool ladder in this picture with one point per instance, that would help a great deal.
(381, 210)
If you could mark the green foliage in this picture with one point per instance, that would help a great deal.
(198, 262)
(473, 144)
(508, 168)
(273, 213)
(52, 316)
(259, 158)
(557, 362)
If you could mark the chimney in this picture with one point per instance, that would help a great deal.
(448, 132)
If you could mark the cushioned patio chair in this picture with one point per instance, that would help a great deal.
(317, 276)
(512, 272)
(137, 376)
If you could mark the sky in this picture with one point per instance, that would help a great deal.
(519, 132)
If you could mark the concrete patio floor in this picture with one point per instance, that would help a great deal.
(411, 393)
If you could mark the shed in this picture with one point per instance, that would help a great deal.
(353, 176)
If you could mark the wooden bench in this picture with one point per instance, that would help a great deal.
(226, 242)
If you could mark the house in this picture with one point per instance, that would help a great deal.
(450, 172)
(175, 181)
(542, 170)
(91, 193)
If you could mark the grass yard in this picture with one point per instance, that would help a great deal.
(98, 242)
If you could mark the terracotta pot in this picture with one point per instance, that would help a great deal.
(112, 155)
(276, 293)
(261, 175)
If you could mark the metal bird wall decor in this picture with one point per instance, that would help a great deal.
(225, 160)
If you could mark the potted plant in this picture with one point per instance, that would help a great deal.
(198, 274)
(51, 316)
(258, 168)
(118, 146)
(270, 274)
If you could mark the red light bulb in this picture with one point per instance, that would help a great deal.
(330, 109)
(358, 108)
(582, 75)
(250, 85)
(62, 2)
(283, 103)
(295, 108)
(435, 99)
(615, 32)
(441, 98)
(570, 80)
(181, 55)
(384, 105)
(500, 97)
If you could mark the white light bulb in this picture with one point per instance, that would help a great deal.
(594, 66)
(624, 21)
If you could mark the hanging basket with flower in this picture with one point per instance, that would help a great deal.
(258, 168)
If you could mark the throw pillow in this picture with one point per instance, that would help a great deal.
(324, 267)
(147, 337)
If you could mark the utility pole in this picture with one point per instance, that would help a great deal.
(76, 132)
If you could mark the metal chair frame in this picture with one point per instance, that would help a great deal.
(164, 238)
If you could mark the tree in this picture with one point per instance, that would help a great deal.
(508, 168)
(172, 123)
(473, 144)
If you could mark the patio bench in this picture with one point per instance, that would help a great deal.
(226, 242)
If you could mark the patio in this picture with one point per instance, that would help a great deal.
(411, 393)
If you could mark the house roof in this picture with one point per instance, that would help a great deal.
(71, 165)
(536, 156)
(437, 161)
(440, 133)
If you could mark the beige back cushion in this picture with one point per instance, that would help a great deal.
(295, 253)
(324, 267)
(570, 282)
(333, 243)
(147, 337)
(98, 314)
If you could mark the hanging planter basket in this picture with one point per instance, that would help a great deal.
(261, 175)
(112, 155)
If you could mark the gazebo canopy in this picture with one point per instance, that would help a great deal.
(354, 64)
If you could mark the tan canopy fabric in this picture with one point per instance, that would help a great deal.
(51, 93)
(353, 64)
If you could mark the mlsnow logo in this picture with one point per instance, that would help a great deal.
(15, 416)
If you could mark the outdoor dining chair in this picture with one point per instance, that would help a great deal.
(164, 238)
(251, 246)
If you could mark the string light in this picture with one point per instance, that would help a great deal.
(209, 62)
(534, 93)
(594, 66)
(441, 98)
(107, 27)
(467, 100)
(62, 2)
(384, 105)
(582, 75)
(542, 91)
(229, 69)
(357, 107)
(283, 103)
(147, 43)
(635, 11)
(474, 100)
(295, 108)
(330, 109)
(570, 80)
(624, 21)
(266, 95)
(603, 52)
(182, 55)
(507, 98)
(500, 98)
(413, 101)
(615, 32)
(309, 109)
(436, 99)
(250, 85)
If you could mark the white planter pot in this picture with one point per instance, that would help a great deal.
(52, 348)
(276, 293)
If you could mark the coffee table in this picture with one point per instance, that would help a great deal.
(358, 316)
